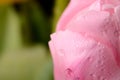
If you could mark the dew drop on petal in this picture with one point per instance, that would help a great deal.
(102, 69)
(92, 75)
(100, 62)
(69, 72)
(77, 78)
(61, 52)
(102, 78)
(89, 59)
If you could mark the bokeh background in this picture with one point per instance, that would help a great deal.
(25, 28)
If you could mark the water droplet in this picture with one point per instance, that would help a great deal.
(99, 44)
(103, 47)
(69, 72)
(61, 52)
(102, 69)
(110, 73)
(89, 59)
(104, 33)
(77, 45)
(92, 75)
(116, 33)
(100, 50)
(77, 78)
(103, 56)
(102, 78)
(100, 62)
(84, 51)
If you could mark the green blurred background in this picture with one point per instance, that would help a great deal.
(25, 27)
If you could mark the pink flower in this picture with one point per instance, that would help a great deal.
(86, 44)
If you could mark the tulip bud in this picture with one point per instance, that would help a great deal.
(85, 45)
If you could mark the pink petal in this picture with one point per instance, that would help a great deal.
(80, 57)
(75, 7)
(86, 45)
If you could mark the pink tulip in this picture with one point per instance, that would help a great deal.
(86, 44)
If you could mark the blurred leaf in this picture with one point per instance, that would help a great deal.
(60, 5)
(40, 26)
(26, 64)
(4, 2)
(3, 13)
(45, 72)
(13, 38)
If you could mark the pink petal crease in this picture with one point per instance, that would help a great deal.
(86, 44)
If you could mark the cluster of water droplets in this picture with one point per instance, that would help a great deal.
(99, 64)
(97, 77)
